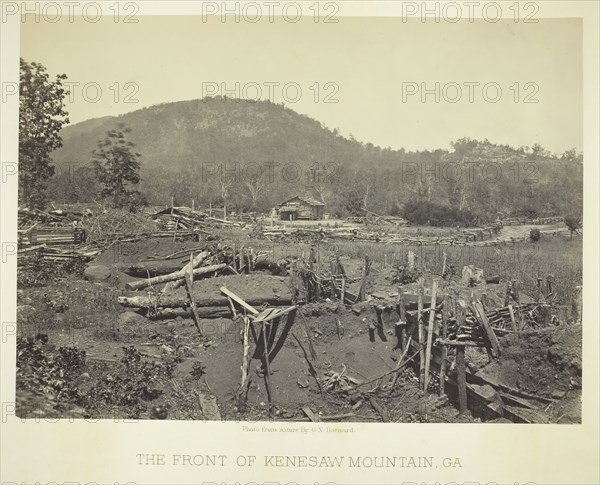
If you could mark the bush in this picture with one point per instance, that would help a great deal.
(535, 234)
(431, 214)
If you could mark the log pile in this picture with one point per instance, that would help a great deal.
(27, 216)
(48, 235)
(185, 218)
(513, 221)
(168, 301)
(279, 233)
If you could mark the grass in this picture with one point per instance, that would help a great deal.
(523, 261)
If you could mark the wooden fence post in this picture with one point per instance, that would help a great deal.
(445, 312)
(462, 379)
(421, 333)
(430, 328)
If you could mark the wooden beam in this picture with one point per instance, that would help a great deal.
(238, 300)
(189, 285)
(445, 314)
(421, 333)
(479, 313)
(179, 275)
(512, 318)
(462, 379)
(430, 328)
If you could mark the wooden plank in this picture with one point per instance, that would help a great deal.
(273, 314)
(266, 367)
(402, 323)
(430, 329)
(238, 300)
(314, 417)
(512, 318)
(445, 313)
(479, 313)
(462, 379)
(459, 343)
(189, 285)
(243, 390)
(421, 333)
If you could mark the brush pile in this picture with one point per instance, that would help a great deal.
(185, 218)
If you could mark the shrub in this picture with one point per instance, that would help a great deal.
(535, 234)
(431, 214)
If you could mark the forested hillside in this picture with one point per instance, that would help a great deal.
(252, 155)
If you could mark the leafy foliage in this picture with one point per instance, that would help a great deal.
(132, 386)
(573, 223)
(41, 369)
(431, 214)
(117, 168)
(38, 271)
(212, 151)
(403, 275)
(41, 117)
(535, 234)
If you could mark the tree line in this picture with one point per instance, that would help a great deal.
(469, 183)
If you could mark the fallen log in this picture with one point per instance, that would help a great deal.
(136, 285)
(176, 300)
(203, 312)
(152, 269)
(193, 264)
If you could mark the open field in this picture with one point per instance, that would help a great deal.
(99, 338)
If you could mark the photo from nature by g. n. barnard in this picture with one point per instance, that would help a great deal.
(358, 219)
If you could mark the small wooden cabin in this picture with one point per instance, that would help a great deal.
(301, 208)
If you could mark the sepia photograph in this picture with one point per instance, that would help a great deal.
(231, 255)
(300, 217)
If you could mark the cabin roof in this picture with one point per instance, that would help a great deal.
(307, 200)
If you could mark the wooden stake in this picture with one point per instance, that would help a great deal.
(480, 315)
(193, 220)
(430, 328)
(363, 283)
(235, 257)
(232, 306)
(421, 333)
(444, 264)
(266, 370)
(445, 313)
(402, 323)
(189, 283)
(462, 379)
(245, 362)
(512, 317)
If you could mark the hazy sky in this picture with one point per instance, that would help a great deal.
(375, 66)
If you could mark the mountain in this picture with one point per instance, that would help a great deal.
(256, 154)
(213, 130)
